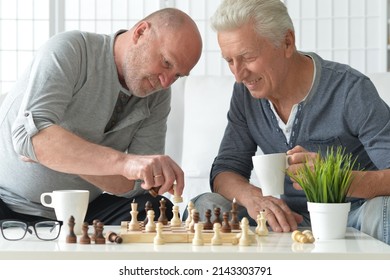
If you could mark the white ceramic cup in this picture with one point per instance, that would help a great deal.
(270, 170)
(67, 203)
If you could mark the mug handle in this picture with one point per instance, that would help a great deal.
(287, 161)
(43, 201)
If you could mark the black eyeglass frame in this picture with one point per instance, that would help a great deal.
(30, 224)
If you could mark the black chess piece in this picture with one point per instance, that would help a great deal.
(71, 237)
(208, 225)
(85, 239)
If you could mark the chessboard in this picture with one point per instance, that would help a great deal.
(216, 232)
(178, 234)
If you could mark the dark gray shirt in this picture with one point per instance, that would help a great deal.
(72, 82)
(343, 108)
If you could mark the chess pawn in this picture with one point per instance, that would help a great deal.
(194, 220)
(217, 213)
(225, 223)
(208, 225)
(244, 237)
(159, 239)
(198, 236)
(85, 239)
(71, 237)
(151, 225)
(190, 206)
(113, 237)
(176, 198)
(261, 228)
(94, 224)
(216, 239)
(99, 238)
(175, 221)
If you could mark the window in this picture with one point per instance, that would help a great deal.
(348, 31)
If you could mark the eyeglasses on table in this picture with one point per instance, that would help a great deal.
(46, 230)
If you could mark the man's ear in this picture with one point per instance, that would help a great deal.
(139, 30)
(289, 43)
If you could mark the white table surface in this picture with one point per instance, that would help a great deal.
(275, 246)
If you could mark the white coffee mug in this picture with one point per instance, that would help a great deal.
(270, 170)
(67, 203)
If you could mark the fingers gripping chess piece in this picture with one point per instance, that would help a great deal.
(176, 197)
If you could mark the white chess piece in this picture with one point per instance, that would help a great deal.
(151, 225)
(134, 225)
(244, 238)
(261, 228)
(159, 239)
(198, 236)
(192, 222)
(216, 239)
(175, 221)
(190, 206)
(176, 198)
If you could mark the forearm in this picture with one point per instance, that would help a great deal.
(279, 215)
(60, 150)
(231, 185)
(369, 184)
(63, 151)
(112, 184)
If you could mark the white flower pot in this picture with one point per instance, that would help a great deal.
(328, 220)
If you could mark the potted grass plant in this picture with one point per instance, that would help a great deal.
(326, 182)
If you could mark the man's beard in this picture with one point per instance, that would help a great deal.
(140, 84)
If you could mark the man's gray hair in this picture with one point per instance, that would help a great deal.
(270, 17)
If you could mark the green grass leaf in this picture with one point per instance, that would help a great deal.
(329, 178)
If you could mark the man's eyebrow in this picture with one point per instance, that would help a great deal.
(241, 53)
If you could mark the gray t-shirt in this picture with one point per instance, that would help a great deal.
(72, 82)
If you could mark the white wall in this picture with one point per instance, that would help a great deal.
(348, 31)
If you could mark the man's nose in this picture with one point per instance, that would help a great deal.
(166, 79)
(238, 72)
